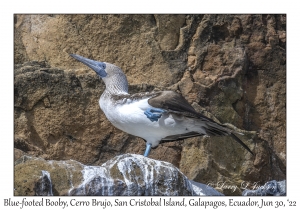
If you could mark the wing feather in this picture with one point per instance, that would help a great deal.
(174, 102)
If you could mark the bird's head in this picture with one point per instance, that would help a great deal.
(113, 77)
(97, 66)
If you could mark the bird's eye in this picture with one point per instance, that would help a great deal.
(101, 65)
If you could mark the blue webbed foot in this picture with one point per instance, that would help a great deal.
(154, 113)
(148, 148)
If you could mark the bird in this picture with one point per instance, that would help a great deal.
(153, 116)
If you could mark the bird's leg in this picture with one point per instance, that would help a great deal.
(148, 148)
(154, 113)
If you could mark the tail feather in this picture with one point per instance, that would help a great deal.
(215, 129)
(242, 143)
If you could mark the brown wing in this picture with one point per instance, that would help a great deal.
(176, 103)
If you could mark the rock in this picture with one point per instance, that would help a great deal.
(127, 174)
(18, 153)
(169, 30)
(43, 186)
(229, 67)
(202, 189)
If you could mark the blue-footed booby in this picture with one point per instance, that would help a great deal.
(153, 116)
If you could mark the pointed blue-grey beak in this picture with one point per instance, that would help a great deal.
(97, 66)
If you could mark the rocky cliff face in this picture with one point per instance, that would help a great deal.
(229, 67)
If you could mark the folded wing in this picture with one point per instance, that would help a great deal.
(175, 103)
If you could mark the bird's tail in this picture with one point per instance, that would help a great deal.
(215, 129)
(242, 143)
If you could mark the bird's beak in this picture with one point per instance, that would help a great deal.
(92, 64)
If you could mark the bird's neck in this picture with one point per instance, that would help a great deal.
(117, 85)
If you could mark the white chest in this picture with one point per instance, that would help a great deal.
(126, 115)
